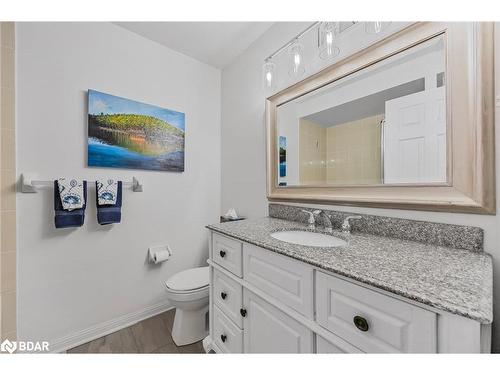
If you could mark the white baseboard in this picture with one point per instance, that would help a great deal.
(102, 329)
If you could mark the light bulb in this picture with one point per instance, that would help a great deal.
(329, 38)
(269, 77)
(269, 74)
(376, 27)
(326, 34)
(296, 60)
(296, 63)
(329, 42)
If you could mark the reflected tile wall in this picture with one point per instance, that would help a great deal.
(8, 253)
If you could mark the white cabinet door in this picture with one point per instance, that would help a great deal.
(289, 281)
(415, 138)
(267, 329)
(324, 346)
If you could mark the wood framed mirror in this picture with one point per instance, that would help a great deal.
(406, 123)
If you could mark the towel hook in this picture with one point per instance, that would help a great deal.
(136, 186)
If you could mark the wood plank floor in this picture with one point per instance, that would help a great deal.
(152, 335)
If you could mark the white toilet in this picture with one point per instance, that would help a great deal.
(188, 292)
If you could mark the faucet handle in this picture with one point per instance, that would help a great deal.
(319, 212)
(353, 217)
(311, 219)
(346, 225)
(326, 220)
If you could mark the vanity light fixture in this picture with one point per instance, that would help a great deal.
(297, 69)
(376, 27)
(327, 31)
(269, 74)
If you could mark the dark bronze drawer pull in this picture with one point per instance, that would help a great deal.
(222, 253)
(361, 323)
(223, 295)
(243, 312)
(223, 338)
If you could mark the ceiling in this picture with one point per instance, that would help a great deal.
(374, 104)
(366, 106)
(214, 43)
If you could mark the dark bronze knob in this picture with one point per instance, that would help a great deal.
(361, 323)
(222, 253)
(223, 338)
(223, 295)
(243, 312)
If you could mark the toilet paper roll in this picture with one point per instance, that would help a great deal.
(159, 254)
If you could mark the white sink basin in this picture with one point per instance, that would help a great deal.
(300, 237)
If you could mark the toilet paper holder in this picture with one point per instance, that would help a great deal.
(159, 254)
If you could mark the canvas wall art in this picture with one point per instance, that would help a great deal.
(124, 133)
(282, 155)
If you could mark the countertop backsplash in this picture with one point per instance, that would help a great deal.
(449, 235)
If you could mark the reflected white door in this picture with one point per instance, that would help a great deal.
(415, 138)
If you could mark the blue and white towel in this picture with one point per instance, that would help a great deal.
(71, 193)
(106, 192)
(66, 218)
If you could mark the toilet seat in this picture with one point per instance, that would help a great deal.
(189, 281)
(192, 295)
(192, 291)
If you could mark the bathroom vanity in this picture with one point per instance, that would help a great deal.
(376, 293)
(379, 128)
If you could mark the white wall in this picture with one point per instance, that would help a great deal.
(243, 129)
(243, 149)
(71, 280)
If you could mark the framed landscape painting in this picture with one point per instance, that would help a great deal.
(282, 155)
(124, 133)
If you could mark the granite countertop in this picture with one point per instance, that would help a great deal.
(449, 279)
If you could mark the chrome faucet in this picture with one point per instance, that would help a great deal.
(326, 219)
(312, 220)
(346, 225)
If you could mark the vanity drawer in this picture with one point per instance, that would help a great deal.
(289, 281)
(372, 321)
(228, 296)
(227, 253)
(227, 336)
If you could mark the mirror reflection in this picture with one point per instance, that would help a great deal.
(385, 124)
